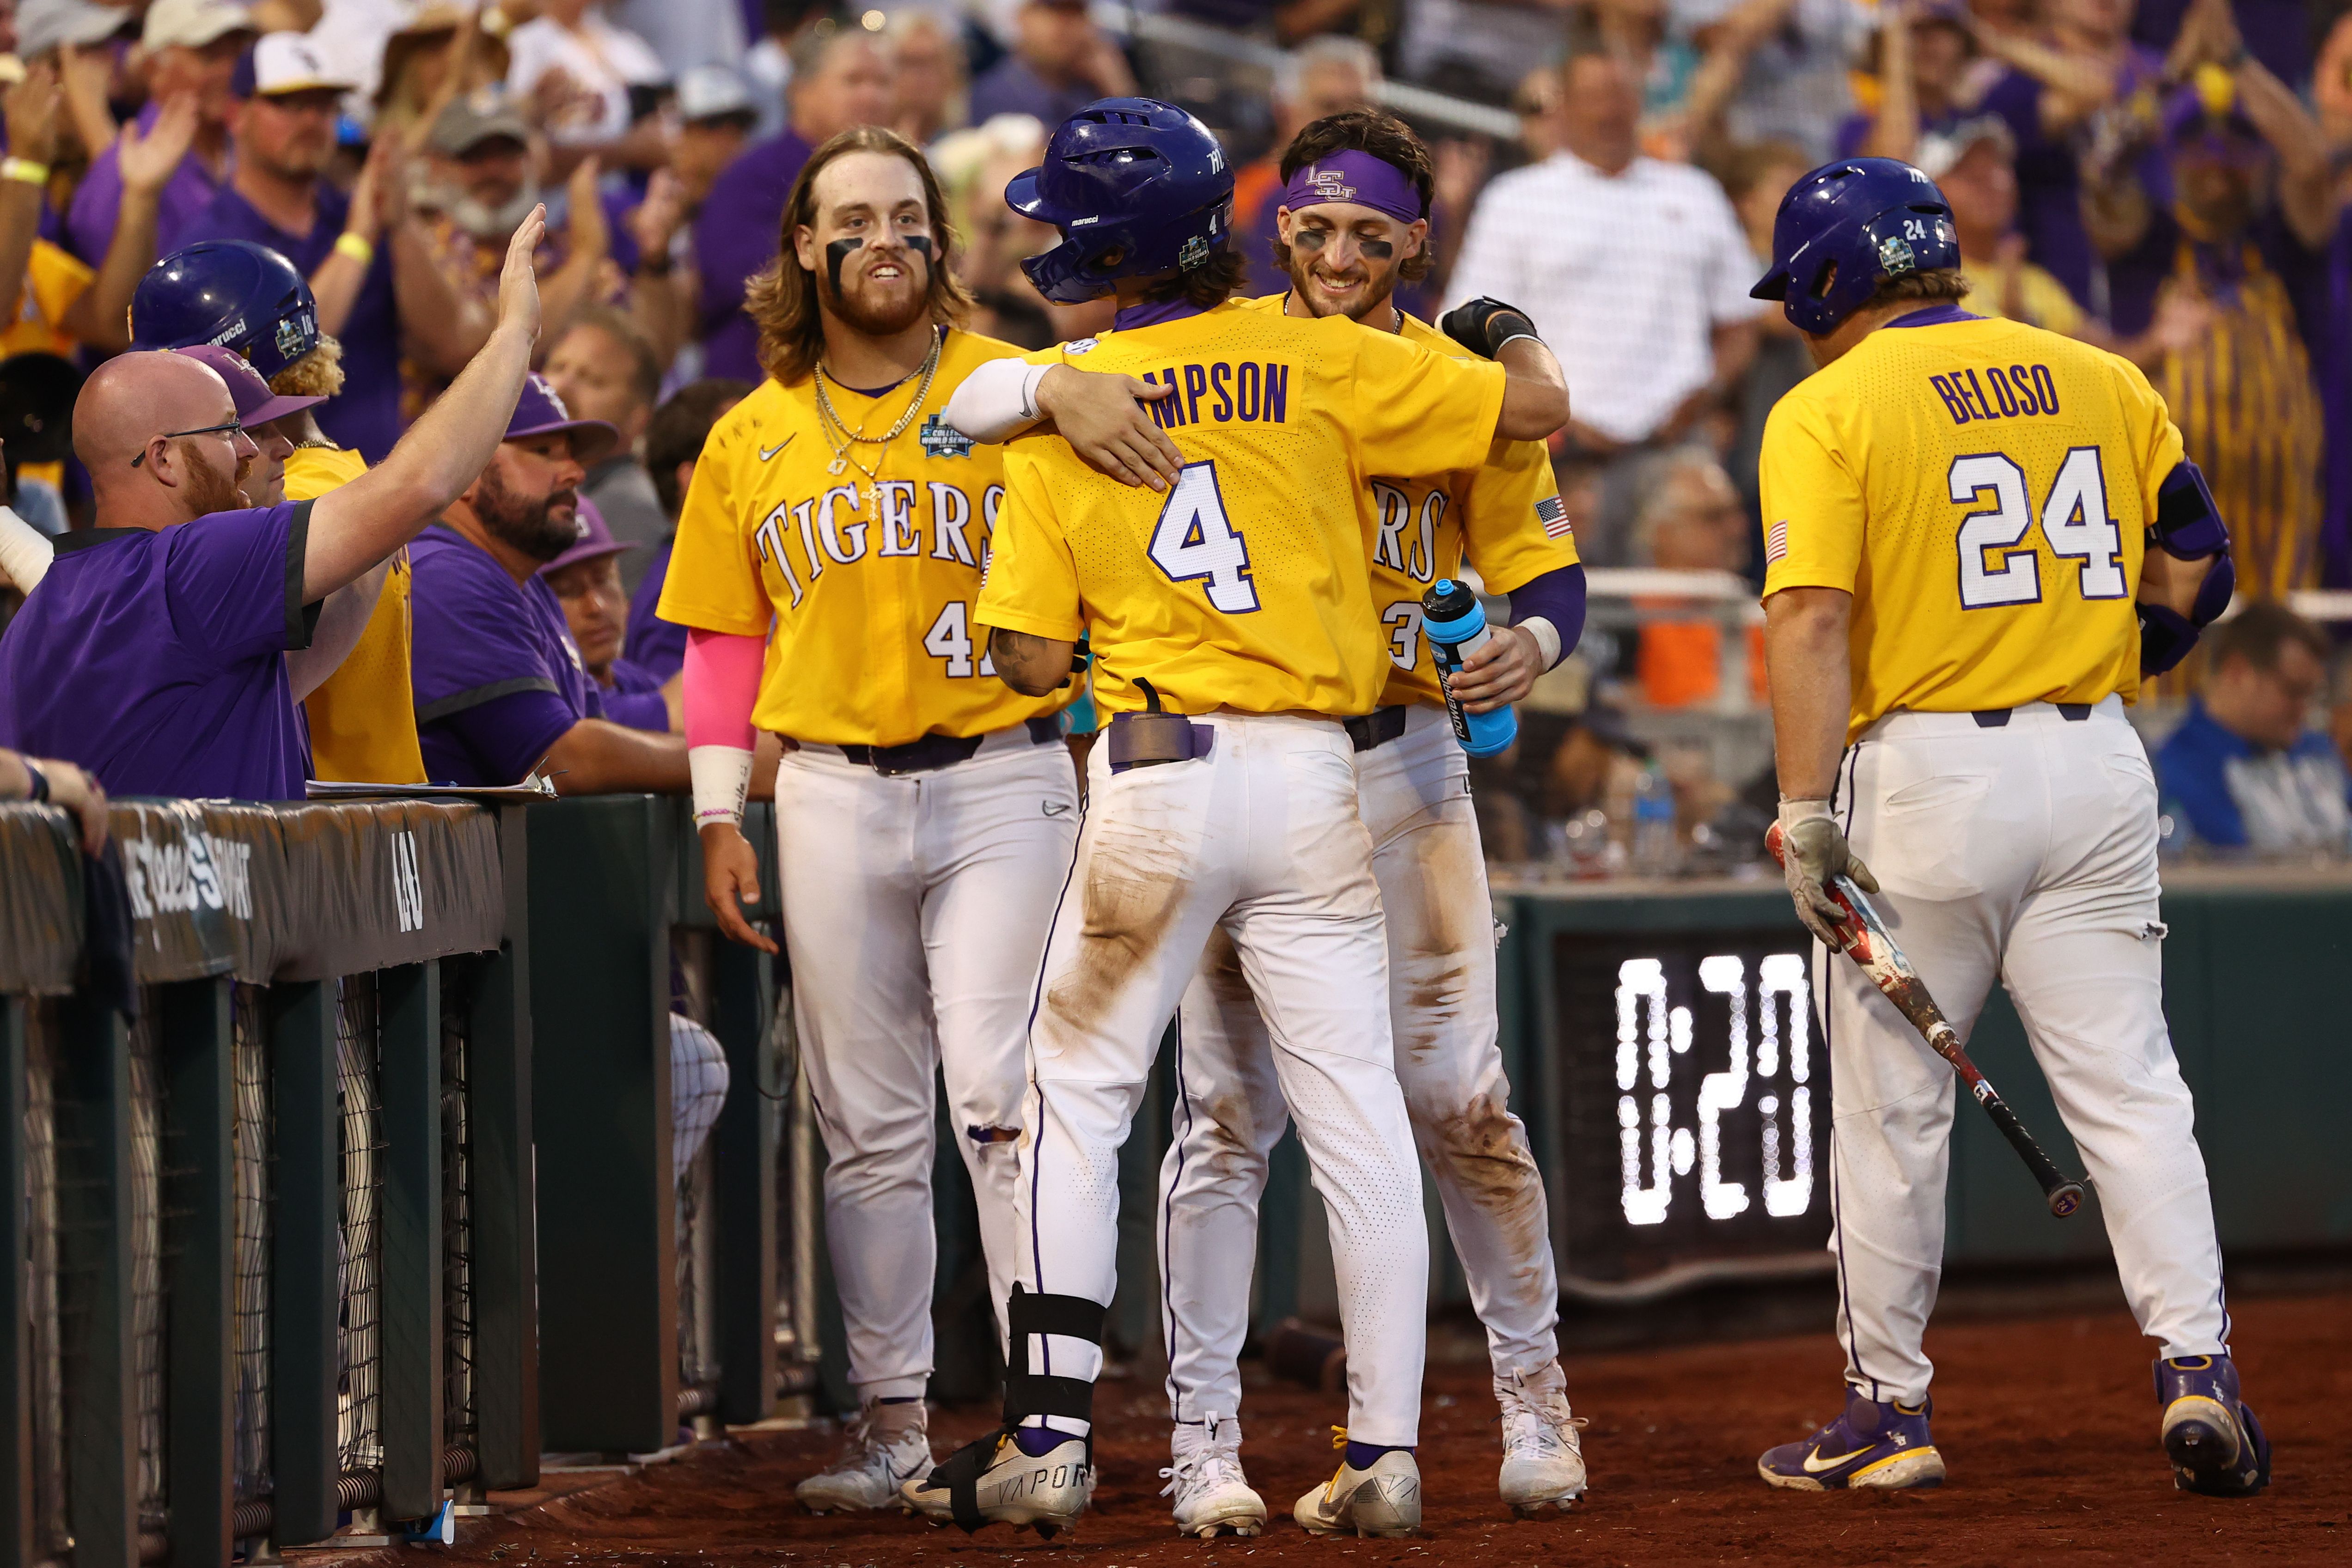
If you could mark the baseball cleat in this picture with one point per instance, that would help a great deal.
(872, 1467)
(2216, 1445)
(1384, 1501)
(1007, 1485)
(1872, 1444)
(1213, 1497)
(1543, 1459)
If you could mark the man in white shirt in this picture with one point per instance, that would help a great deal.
(1635, 270)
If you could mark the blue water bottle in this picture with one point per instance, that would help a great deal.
(1456, 625)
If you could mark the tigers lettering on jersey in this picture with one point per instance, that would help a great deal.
(1249, 392)
(1990, 485)
(865, 586)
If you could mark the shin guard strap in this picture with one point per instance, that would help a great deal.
(1028, 1393)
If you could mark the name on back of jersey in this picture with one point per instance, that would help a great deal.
(1222, 393)
(852, 523)
(2021, 392)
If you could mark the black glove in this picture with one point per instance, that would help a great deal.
(1483, 325)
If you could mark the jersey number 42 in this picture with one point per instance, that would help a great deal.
(1997, 567)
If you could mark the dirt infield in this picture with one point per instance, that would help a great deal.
(2048, 1426)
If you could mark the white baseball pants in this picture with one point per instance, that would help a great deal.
(1259, 841)
(1414, 794)
(2024, 853)
(915, 911)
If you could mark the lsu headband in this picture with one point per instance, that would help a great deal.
(1358, 177)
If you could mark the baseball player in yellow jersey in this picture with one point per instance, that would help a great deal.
(827, 561)
(1979, 536)
(1234, 627)
(1352, 224)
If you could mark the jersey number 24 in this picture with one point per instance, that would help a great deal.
(2074, 524)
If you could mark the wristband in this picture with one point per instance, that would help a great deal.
(1514, 338)
(1030, 377)
(39, 781)
(360, 250)
(722, 778)
(24, 169)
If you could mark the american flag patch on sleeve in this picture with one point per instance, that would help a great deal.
(1776, 540)
(1554, 518)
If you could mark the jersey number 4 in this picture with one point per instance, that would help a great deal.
(1996, 567)
(1194, 540)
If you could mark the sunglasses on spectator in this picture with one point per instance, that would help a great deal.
(232, 430)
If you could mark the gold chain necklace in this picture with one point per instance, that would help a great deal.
(841, 438)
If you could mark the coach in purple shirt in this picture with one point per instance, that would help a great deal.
(501, 688)
(191, 47)
(840, 79)
(153, 651)
(368, 261)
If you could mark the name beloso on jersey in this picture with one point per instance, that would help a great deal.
(1983, 488)
(864, 584)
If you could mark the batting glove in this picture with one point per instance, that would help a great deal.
(1813, 855)
(1483, 326)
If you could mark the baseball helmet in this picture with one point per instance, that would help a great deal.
(1137, 186)
(229, 292)
(1847, 226)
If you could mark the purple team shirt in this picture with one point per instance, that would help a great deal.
(89, 223)
(734, 237)
(365, 415)
(655, 645)
(156, 660)
(635, 698)
(497, 677)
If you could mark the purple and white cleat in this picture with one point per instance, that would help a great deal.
(1872, 1444)
(2216, 1445)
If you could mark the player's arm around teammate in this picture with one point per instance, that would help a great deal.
(828, 559)
(1979, 536)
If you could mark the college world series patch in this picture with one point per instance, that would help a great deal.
(942, 439)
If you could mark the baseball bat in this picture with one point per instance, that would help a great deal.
(1864, 938)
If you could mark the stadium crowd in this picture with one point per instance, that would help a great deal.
(2171, 180)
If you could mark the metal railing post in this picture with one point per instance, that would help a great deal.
(409, 1000)
(503, 1200)
(95, 1232)
(194, 1044)
(305, 1260)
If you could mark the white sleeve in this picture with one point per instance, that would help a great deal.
(997, 401)
(25, 551)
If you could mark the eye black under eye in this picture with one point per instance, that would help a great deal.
(1378, 249)
(1310, 239)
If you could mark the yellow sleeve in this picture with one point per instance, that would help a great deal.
(1416, 412)
(1813, 503)
(713, 582)
(56, 279)
(1514, 500)
(1032, 581)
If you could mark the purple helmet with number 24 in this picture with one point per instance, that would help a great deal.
(1137, 186)
(1845, 228)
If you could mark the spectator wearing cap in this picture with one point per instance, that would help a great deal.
(591, 80)
(2245, 768)
(586, 582)
(502, 689)
(673, 445)
(434, 56)
(603, 369)
(715, 116)
(2245, 228)
(1648, 309)
(373, 300)
(840, 78)
(193, 48)
(1060, 62)
(153, 652)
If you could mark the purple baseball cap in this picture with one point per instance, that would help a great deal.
(596, 541)
(255, 403)
(540, 411)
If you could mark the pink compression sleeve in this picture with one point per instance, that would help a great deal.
(723, 684)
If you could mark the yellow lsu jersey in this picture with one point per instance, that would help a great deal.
(867, 583)
(1505, 514)
(363, 717)
(1983, 489)
(1246, 585)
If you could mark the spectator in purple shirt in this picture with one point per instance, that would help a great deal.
(155, 650)
(502, 689)
(673, 441)
(586, 582)
(193, 48)
(370, 300)
(840, 78)
(1060, 63)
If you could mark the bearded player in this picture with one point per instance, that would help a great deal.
(1980, 537)
(926, 816)
(1233, 632)
(1353, 222)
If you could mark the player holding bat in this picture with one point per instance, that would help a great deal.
(1978, 536)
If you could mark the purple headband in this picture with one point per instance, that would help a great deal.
(1358, 177)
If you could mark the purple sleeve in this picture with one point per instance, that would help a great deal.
(232, 580)
(89, 222)
(475, 666)
(638, 710)
(1557, 596)
(507, 735)
(655, 645)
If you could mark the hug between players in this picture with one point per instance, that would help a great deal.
(1231, 527)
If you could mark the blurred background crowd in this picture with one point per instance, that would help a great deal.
(2171, 178)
